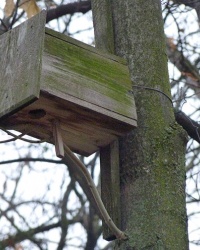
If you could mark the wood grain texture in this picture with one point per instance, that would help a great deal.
(109, 155)
(103, 25)
(83, 75)
(86, 90)
(84, 130)
(21, 54)
(110, 185)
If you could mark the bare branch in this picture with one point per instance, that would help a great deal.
(187, 69)
(64, 222)
(195, 4)
(23, 235)
(192, 127)
(71, 8)
(28, 159)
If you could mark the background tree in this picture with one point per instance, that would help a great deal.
(24, 207)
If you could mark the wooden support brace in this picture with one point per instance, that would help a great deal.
(82, 175)
(110, 185)
(59, 147)
(109, 155)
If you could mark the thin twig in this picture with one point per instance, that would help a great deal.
(31, 159)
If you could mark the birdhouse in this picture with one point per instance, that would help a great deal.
(47, 76)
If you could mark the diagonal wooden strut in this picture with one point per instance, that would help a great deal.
(85, 175)
(84, 178)
(59, 147)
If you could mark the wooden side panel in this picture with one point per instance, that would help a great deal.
(110, 185)
(20, 60)
(81, 74)
(83, 130)
(103, 25)
(109, 155)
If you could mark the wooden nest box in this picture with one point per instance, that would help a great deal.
(47, 76)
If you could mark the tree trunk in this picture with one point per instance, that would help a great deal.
(152, 173)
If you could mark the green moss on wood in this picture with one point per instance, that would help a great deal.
(88, 72)
(152, 156)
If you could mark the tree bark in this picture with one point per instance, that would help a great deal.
(152, 156)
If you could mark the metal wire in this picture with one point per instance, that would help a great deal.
(152, 89)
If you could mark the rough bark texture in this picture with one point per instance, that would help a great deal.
(152, 156)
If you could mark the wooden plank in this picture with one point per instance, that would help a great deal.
(21, 57)
(79, 73)
(85, 46)
(110, 188)
(83, 130)
(104, 40)
(103, 26)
